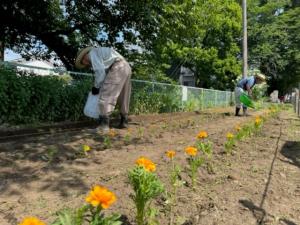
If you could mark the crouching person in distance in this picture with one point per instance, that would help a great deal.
(112, 82)
(246, 84)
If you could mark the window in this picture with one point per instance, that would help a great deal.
(185, 83)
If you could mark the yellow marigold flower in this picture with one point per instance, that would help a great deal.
(86, 148)
(202, 135)
(170, 154)
(146, 163)
(100, 196)
(229, 135)
(258, 121)
(192, 151)
(112, 133)
(31, 221)
(238, 128)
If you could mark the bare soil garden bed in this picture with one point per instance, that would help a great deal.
(259, 183)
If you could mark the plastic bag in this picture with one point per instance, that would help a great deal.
(91, 108)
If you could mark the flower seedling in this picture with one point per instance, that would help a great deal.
(140, 132)
(127, 137)
(194, 162)
(229, 143)
(146, 187)
(98, 199)
(175, 182)
(258, 125)
(205, 146)
(107, 142)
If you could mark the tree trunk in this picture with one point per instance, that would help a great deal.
(65, 52)
(1, 51)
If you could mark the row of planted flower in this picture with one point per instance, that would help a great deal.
(147, 185)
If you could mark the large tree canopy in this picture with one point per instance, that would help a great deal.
(274, 42)
(29, 25)
(204, 35)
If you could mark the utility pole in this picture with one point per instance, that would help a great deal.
(245, 45)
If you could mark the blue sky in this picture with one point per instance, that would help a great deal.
(10, 55)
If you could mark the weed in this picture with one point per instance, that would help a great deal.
(140, 132)
(107, 142)
(127, 138)
(230, 142)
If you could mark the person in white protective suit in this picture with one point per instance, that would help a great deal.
(112, 82)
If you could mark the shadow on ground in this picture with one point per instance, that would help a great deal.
(260, 214)
(291, 150)
(42, 159)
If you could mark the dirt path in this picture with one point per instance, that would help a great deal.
(258, 184)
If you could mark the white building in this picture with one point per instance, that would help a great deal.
(38, 67)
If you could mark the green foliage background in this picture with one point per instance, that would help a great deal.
(274, 42)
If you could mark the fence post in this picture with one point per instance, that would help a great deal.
(298, 106)
(202, 99)
(228, 94)
(298, 102)
(184, 95)
(216, 94)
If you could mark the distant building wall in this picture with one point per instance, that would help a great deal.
(37, 67)
(186, 77)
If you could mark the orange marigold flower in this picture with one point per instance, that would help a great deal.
(192, 151)
(202, 135)
(258, 121)
(229, 136)
(170, 154)
(146, 163)
(100, 196)
(31, 221)
(238, 128)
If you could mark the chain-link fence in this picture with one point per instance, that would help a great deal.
(159, 97)
(147, 97)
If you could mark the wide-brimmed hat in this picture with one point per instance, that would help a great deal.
(79, 57)
(260, 76)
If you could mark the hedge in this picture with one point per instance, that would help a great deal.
(28, 98)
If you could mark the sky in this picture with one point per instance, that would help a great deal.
(10, 55)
